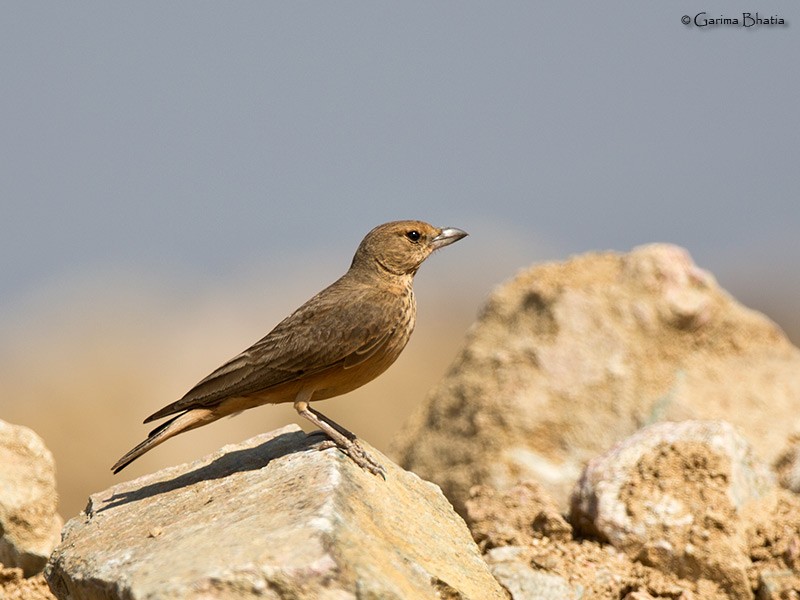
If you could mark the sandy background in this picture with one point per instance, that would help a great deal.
(85, 374)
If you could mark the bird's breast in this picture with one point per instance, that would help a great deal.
(340, 380)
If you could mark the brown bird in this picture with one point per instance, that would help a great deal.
(342, 338)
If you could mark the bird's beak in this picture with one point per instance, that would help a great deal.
(447, 237)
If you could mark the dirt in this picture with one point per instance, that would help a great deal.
(13, 586)
(769, 530)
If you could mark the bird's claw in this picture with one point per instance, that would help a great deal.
(363, 459)
(356, 452)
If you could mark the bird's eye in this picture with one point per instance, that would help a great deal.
(413, 235)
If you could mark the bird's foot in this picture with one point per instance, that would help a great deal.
(363, 459)
(356, 453)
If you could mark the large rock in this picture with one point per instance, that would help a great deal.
(29, 524)
(270, 518)
(671, 495)
(568, 358)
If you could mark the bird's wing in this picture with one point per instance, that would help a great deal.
(336, 327)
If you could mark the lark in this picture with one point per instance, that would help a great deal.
(342, 338)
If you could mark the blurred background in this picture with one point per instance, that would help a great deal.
(176, 178)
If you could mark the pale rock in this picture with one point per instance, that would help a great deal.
(270, 518)
(568, 358)
(29, 524)
(670, 496)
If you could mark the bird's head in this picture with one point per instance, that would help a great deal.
(400, 247)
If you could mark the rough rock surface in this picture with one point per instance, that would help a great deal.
(271, 518)
(761, 558)
(534, 566)
(668, 496)
(29, 524)
(568, 358)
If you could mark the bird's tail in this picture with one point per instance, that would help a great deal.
(177, 424)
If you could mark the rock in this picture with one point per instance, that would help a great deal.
(568, 358)
(270, 518)
(670, 497)
(29, 525)
(514, 517)
(14, 586)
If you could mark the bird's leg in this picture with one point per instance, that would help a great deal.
(345, 440)
(345, 432)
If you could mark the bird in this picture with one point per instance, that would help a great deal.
(340, 339)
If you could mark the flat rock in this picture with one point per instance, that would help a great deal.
(29, 524)
(271, 517)
(568, 358)
(671, 496)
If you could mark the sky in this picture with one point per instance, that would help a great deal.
(200, 139)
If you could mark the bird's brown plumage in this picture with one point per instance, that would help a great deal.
(340, 339)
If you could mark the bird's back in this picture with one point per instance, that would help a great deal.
(342, 338)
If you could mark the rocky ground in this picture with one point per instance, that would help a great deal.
(14, 586)
(683, 515)
(615, 426)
